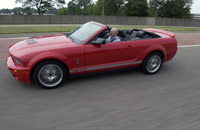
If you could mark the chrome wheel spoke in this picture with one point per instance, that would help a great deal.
(153, 63)
(50, 75)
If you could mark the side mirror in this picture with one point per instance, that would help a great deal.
(99, 41)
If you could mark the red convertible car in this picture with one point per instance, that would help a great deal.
(49, 60)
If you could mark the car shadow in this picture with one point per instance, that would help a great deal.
(83, 79)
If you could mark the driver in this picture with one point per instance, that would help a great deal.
(113, 36)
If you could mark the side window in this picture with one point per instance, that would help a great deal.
(104, 34)
(93, 39)
(100, 35)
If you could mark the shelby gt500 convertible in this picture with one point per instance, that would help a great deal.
(49, 60)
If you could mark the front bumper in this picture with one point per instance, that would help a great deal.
(19, 72)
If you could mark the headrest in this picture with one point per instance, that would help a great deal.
(129, 31)
(121, 33)
(140, 34)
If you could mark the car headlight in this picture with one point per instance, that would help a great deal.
(17, 60)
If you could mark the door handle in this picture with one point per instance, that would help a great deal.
(129, 46)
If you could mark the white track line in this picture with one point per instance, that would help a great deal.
(184, 46)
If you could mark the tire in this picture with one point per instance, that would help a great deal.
(49, 74)
(152, 63)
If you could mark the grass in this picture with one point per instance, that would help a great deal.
(44, 29)
(167, 28)
(35, 29)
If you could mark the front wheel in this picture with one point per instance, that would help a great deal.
(152, 63)
(49, 74)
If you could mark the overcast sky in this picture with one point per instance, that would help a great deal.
(11, 4)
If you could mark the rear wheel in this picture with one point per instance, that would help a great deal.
(152, 63)
(49, 74)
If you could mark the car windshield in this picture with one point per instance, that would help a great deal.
(80, 34)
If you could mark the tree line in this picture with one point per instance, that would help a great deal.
(141, 8)
(25, 11)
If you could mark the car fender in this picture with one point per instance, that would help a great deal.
(150, 49)
(45, 56)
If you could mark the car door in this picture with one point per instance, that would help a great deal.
(108, 56)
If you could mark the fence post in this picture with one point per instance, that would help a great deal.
(0, 19)
(183, 22)
(165, 21)
(13, 19)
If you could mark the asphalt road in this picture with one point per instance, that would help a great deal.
(118, 100)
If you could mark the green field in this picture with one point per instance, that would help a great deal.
(12, 29)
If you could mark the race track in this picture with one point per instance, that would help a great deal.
(116, 100)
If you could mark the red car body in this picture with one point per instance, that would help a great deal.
(87, 58)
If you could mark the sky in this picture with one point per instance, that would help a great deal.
(11, 4)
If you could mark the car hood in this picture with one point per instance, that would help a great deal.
(40, 44)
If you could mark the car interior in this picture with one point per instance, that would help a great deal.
(130, 34)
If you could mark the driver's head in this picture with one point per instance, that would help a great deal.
(113, 32)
